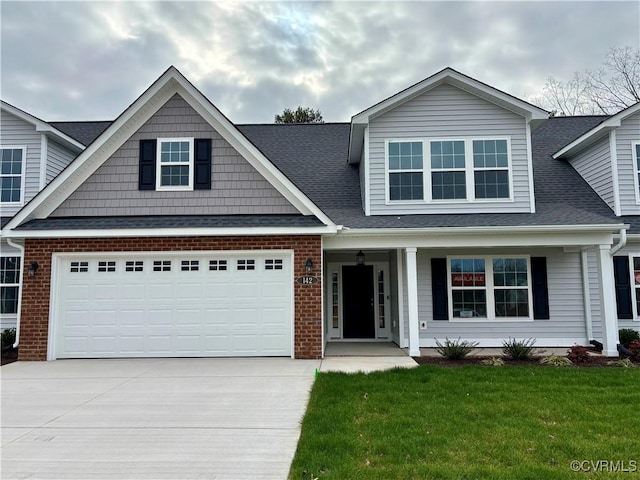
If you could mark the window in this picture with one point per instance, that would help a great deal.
(457, 170)
(273, 264)
(106, 266)
(381, 295)
(405, 171)
(11, 171)
(636, 151)
(190, 265)
(334, 300)
(79, 267)
(636, 282)
(490, 288)
(246, 265)
(162, 265)
(9, 284)
(175, 164)
(134, 266)
(217, 265)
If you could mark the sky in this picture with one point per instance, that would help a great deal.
(89, 60)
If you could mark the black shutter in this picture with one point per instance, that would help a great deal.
(202, 164)
(622, 279)
(439, 289)
(147, 166)
(540, 288)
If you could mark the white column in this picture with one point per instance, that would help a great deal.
(412, 301)
(607, 301)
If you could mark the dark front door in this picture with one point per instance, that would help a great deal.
(357, 297)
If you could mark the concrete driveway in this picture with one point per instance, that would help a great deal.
(153, 418)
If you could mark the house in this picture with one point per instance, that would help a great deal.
(32, 153)
(450, 209)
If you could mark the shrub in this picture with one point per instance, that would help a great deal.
(628, 335)
(624, 363)
(578, 354)
(634, 350)
(8, 337)
(493, 362)
(455, 349)
(556, 361)
(520, 349)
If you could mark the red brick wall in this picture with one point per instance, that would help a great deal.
(34, 322)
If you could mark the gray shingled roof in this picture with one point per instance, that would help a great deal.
(83, 132)
(171, 221)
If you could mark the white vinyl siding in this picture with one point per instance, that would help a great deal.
(58, 157)
(17, 132)
(447, 112)
(594, 165)
(627, 136)
(565, 301)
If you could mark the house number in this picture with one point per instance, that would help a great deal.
(307, 280)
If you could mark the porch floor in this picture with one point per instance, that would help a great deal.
(363, 349)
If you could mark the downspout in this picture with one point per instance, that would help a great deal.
(21, 248)
(586, 294)
(621, 243)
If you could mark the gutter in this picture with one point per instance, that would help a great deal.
(21, 248)
(621, 243)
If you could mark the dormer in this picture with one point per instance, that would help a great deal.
(608, 158)
(448, 144)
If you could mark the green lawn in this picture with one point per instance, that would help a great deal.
(473, 422)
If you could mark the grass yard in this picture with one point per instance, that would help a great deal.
(472, 422)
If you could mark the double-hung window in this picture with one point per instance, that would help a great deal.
(490, 288)
(455, 170)
(636, 283)
(9, 284)
(11, 174)
(636, 168)
(174, 164)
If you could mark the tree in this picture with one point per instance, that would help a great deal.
(612, 87)
(300, 115)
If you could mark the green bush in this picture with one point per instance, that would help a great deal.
(623, 363)
(520, 349)
(493, 362)
(8, 337)
(455, 349)
(578, 354)
(628, 335)
(556, 361)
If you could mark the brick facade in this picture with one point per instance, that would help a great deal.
(36, 290)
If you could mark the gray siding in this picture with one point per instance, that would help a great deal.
(16, 132)
(448, 112)
(594, 165)
(237, 187)
(566, 306)
(627, 133)
(58, 157)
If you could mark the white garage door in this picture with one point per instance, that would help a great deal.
(178, 304)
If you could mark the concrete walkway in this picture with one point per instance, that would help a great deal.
(153, 418)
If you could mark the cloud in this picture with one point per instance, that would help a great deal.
(90, 60)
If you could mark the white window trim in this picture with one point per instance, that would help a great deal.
(490, 290)
(634, 288)
(469, 171)
(18, 284)
(159, 165)
(636, 171)
(22, 173)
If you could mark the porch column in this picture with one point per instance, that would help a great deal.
(412, 301)
(607, 301)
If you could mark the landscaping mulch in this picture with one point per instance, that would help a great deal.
(595, 360)
(9, 355)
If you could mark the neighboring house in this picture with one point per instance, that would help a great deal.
(438, 212)
(32, 153)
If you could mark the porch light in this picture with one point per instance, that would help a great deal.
(31, 271)
(360, 258)
(309, 266)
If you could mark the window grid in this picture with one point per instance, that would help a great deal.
(190, 265)
(134, 266)
(405, 164)
(335, 308)
(106, 266)
(79, 267)
(9, 284)
(175, 163)
(491, 168)
(217, 265)
(162, 265)
(448, 173)
(11, 175)
(636, 282)
(381, 312)
(637, 173)
(273, 264)
(510, 280)
(246, 265)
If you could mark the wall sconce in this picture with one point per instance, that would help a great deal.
(31, 271)
(309, 266)
(360, 258)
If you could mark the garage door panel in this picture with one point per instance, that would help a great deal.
(210, 309)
